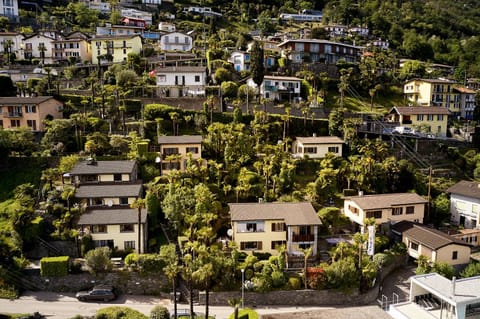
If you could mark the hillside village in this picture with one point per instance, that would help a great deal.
(225, 148)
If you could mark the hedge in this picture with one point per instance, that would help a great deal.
(54, 266)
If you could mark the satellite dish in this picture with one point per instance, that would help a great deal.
(109, 203)
(230, 232)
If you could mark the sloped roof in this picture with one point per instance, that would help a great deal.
(414, 110)
(463, 89)
(112, 190)
(379, 201)
(465, 188)
(103, 167)
(25, 100)
(181, 69)
(182, 139)
(301, 213)
(319, 140)
(114, 216)
(431, 238)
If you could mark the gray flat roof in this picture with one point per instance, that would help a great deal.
(103, 167)
(112, 190)
(320, 140)
(112, 216)
(380, 201)
(300, 213)
(181, 139)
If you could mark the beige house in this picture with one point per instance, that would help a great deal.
(427, 119)
(437, 246)
(385, 208)
(263, 227)
(106, 190)
(317, 146)
(175, 150)
(29, 112)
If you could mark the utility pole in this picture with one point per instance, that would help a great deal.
(429, 191)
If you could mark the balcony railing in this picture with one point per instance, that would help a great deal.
(13, 114)
(299, 238)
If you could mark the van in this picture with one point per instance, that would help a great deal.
(403, 130)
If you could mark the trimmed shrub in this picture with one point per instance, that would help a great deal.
(159, 312)
(246, 313)
(119, 313)
(295, 283)
(54, 266)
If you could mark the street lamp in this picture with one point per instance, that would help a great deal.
(243, 287)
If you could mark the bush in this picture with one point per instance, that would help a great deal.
(119, 313)
(246, 313)
(295, 283)
(159, 312)
(54, 266)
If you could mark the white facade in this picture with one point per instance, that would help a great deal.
(99, 5)
(317, 147)
(240, 60)
(465, 210)
(9, 8)
(167, 27)
(16, 42)
(176, 41)
(137, 14)
(181, 81)
(159, 2)
(281, 88)
(33, 45)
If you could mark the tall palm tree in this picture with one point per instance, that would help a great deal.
(169, 254)
(306, 254)
(139, 203)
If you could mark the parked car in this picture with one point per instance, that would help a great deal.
(99, 293)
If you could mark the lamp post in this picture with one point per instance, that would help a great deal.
(243, 287)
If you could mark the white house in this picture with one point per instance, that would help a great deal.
(9, 8)
(15, 41)
(179, 81)
(39, 46)
(166, 27)
(317, 146)
(99, 5)
(176, 41)
(280, 88)
(137, 14)
(240, 60)
(465, 204)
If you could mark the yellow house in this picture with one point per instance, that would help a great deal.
(435, 245)
(92, 171)
(108, 195)
(263, 227)
(117, 47)
(432, 92)
(317, 146)
(421, 119)
(31, 112)
(174, 151)
(115, 227)
(385, 208)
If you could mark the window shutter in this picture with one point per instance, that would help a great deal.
(259, 245)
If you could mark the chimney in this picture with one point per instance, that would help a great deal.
(454, 280)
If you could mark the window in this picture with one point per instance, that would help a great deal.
(1, 123)
(15, 123)
(410, 210)
(440, 117)
(124, 44)
(98, 229)
(117, 177)
(129, 245)
(333, 149)
(197, 78)
(420, 117)
(276, 244)
(193, 150)
(170, 150)
(123, 200)
(30, 109)
(354, 210)
(374, 214)
(454, 255)
(127, 228)
(430, 117)
(310, 150)
(162, 78)
(414, 246)
(32, 124)
(397, 211)
(169, 166)
(279, 227)
(251, 226)
(250, 245)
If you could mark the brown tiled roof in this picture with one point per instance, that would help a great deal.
(380, 201)
(431, 238)
(25, 100)
(462, 89)
(182, 139)
(293, 214)
(114, 216)
(465, 188)
(414, 110)
(100, 191)
(103, 167)
(320, 140)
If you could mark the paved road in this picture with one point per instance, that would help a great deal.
(65, 306)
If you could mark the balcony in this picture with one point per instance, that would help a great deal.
(176, 42)
(13, 114)
(303, 238)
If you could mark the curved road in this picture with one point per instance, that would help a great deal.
(65, 306)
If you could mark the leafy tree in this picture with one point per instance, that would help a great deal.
(472, 270)
(257, 67)
(97, 144)
(342, 274)
(412, 69)
(229, 89)
(98, 260)
(172, 268)
(222, 75)
(264, 22)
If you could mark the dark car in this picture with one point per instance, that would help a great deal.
(99, 293)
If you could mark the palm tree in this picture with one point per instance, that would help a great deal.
(42, 48)
(169, 254)
(235, 303)
(306, 254)
(139, 203)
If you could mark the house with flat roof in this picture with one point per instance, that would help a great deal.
(316, 146)
(263, 227)
(279, 88)
(30, 112)
(174, 151)
(386, 209)
(178, 81)
(432, 119)
(434, 296)
(465, 204)
(434, 244)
